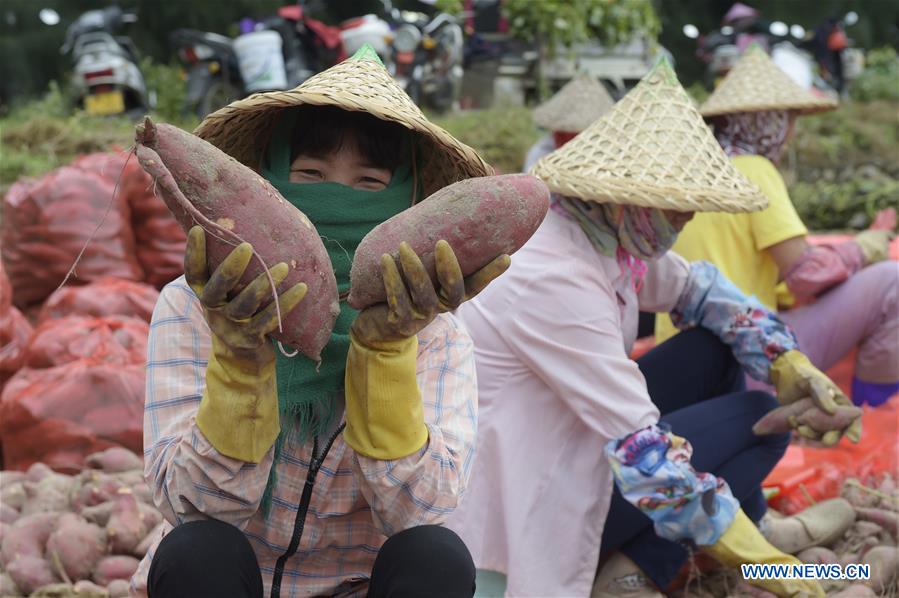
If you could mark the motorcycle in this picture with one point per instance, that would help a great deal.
(107, 79)
(427, 57)
(222, 69)
(368, 29)
(213, 75)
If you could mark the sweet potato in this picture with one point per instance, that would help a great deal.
(11, 477)
(481, 218)
(821, 421)
(114, 567)
(119, 588)
(77, 545)
(777, 421)
(27, 537)
(8, 514)
(98, 514)
(30, 573)
(884, 561)
(149, 539)
(51, 494)
(202, 185)
(888, 520)
(37, 472)
(114, 460)
(817, 555)
(88, 589)
(13, 495)
(7, 586)
(855, 590)
(149, 514)
(126, 527)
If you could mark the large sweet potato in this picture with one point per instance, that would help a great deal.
(126, 527)
(27, 537)
(114, 567)
(202, 185)
(481, 218)
(77, 545)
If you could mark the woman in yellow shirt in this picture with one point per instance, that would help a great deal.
(856, 290)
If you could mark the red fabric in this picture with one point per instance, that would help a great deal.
(837, 40)
(46, 223)
(60, 415)
(118, 340)
(560, 138)
(105, 297)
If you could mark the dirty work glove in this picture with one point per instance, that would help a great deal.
(239, 410)
(744, 543)
(875, 245)
(384, 414)
(795, 378)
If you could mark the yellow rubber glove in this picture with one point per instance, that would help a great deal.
(875, 245)
(384, 414)
(743, 543)
(794, 377)
(239, 410)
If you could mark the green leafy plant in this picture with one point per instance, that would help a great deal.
(880, 79)
(563, 23)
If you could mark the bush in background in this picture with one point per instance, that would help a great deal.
(880, 79)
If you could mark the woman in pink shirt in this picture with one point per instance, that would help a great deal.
(563, 410)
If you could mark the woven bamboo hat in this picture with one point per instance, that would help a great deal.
(574, 107)
(756, 83)
(653, 150)
(361, 83)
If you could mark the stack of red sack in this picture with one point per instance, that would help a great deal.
(72, 378)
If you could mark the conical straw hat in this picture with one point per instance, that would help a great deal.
(574, 107)
(756, 83)
(654, 150)
(360, 83)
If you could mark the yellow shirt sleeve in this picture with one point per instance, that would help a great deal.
(779, 221)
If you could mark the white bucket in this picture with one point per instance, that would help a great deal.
(260, 60)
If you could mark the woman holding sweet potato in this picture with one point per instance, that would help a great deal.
(564, 411)
(268, 491)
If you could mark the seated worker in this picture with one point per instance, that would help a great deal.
(563, 410)
(855, 287)
(572, 109)
(281, 476)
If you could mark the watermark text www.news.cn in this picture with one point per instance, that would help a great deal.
(755, 571)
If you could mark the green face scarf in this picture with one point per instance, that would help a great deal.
(343, 216)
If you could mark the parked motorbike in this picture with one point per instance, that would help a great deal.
(222, 69)
(213, 75)
(107, 79)
(427, 57)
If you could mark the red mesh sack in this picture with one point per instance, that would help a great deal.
(114, 339)
(159, 239)
(46, 223)
(15, 332)
(105, 297)
(60, 415)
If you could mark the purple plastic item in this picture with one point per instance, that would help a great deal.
(246, 25)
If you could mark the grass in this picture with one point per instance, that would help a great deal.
(842, 167)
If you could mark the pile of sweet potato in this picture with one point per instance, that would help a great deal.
(871, 539)
(79, 535)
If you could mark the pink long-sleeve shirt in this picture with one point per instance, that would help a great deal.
(552, 337)
(357, 502)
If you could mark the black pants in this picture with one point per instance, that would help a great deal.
(212, 559)
(697, 385)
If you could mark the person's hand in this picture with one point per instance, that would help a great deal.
(238, 413)
(875, 245)
(795, 378)
(743, 543)
(238, 323)
(412, 301)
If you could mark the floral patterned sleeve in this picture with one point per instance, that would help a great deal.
(755, 334)
(653, 472)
